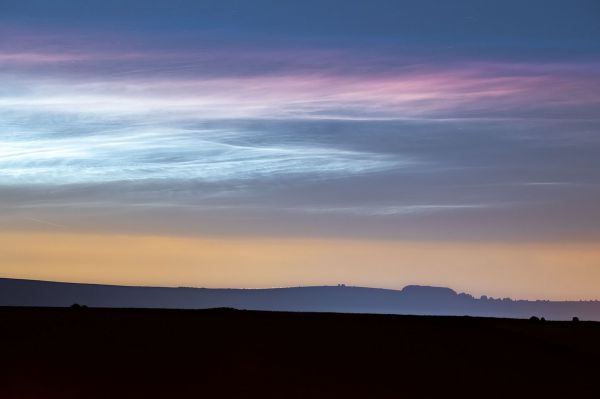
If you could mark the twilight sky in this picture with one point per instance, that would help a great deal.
(272, 143)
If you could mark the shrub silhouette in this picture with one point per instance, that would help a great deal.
(575, 318)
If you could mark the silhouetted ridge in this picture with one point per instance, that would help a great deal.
(428, 291)
(412, 299)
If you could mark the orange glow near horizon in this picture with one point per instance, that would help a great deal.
(527, 271)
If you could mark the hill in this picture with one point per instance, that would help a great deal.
(418, 300)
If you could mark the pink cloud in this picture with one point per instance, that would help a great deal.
(70, 73)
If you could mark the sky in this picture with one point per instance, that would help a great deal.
(280, 143)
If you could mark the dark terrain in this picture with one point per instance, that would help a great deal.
(149, 353)
(412, 299)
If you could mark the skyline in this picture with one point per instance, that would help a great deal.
(457, 144)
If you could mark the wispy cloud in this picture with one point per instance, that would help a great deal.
(44, 222)
(394, 210)
(65, 73)
(468, 92)
(161, 153)
(304, 132)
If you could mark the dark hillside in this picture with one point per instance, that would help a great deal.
(129, 353)
(412, 299)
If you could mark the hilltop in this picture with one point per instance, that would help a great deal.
(417, 300)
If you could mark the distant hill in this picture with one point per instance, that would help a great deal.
(412, 299)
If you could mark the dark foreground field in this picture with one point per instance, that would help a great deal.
(126, 353)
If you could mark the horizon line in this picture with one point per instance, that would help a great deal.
(341, 285)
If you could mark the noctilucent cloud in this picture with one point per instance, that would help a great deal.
(429, 121)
